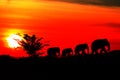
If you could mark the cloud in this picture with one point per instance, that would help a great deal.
(115, 25)
(115, 3)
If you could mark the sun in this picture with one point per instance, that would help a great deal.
(12, 43)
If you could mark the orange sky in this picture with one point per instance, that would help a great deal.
(63, 24)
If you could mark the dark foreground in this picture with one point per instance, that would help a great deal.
(43, 67)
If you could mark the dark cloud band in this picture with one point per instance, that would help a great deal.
(115, 25)
(115, 3)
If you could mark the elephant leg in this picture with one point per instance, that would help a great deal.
(92, 52)
(83, 52)
(55, 54)
(101, 51)
(68, 53)
(62, 54)
(105, 51)
(96, 52)
(50, 55)
(77, 53)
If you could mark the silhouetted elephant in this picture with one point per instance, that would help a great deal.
(67, 51)
(100, 44)
(53, 51)
(81, 47)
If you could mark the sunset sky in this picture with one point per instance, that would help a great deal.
(65, 23)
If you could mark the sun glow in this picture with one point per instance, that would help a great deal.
(12, 42)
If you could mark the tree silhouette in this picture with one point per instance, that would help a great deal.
(32, 44)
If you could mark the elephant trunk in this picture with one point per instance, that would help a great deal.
(108, 47)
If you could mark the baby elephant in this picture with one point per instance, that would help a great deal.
(81, 47)
(67, 51)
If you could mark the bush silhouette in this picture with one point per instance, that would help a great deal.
(32, 44)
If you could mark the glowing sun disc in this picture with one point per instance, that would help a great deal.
(12, 42)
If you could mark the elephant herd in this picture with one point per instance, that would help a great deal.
(98, 44)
